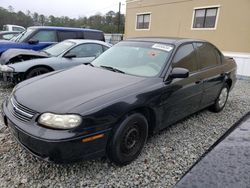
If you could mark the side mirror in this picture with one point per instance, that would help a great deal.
(179, 73)
(33, 41)
(69, 56)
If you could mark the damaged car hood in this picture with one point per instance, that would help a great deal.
(13, 53)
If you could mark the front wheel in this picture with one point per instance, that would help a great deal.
(221, 99)
(128, 139)
(37, 71)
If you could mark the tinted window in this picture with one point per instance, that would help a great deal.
(63, 35)
(45, 36)
(208, 55)
(94, 35)
(87, 50)
(185, 58)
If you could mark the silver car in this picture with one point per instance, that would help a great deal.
(62, 55)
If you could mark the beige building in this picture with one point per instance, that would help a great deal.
(225, 23)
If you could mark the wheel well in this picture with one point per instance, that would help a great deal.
(38, 66)
(149, 115)
(229, 82)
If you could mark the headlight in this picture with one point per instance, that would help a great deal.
(6, 68)
(57, 121)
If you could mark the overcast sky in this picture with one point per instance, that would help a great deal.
(70, 8)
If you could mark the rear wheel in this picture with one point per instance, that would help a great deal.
(37, 71)
(128, 139)
(221, 99)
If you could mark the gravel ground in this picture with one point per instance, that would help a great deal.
(166, 157)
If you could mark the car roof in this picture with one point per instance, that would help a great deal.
(81, 41)
(63, 28)
(167, 40)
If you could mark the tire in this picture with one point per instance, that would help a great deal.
(128, 139)
(221, 99)
(37, 71)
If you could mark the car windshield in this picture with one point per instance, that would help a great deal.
(22, 37)
(145, 59)
(59, 48)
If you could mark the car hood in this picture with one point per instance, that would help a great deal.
(63, 91)
(11, 53)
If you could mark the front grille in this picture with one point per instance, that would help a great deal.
(21, 112)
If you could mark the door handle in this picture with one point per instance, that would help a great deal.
(198, 82)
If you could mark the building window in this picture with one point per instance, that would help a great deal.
(205, 17)
(143, 21)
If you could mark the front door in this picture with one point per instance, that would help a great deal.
(182, 96)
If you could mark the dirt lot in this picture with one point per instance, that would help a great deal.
(166, 157)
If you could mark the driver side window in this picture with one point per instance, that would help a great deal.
(87, 50)
(45, 36)
(185, 58)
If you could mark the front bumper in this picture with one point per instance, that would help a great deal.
(13, 77)
(57, 150)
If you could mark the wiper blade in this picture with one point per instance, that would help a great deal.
(112, 69)
(89, 64)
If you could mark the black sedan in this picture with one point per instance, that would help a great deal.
(109, 107)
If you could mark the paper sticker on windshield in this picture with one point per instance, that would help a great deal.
(162, 47)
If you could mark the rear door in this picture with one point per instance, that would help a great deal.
(209, 61)
(182, 96)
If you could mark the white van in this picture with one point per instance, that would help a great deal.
(9, 27)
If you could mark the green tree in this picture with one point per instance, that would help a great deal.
(107, 23)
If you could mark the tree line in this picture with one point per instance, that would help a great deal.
(108, 23)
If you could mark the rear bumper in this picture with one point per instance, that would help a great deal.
(56, 150)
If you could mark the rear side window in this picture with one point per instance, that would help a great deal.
(94, 35)
(63, 35)
(185, 58)
(45, 36)
(208, 55)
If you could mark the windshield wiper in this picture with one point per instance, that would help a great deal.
(89, 64)
(112, 69)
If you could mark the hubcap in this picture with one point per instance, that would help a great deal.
(130, 139)
(38, 72)
(223, 97)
